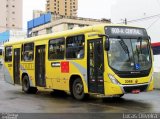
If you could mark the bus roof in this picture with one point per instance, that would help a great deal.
(93, 28)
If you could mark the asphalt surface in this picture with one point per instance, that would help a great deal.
(13, 100)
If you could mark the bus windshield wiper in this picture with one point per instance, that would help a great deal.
(124, 47)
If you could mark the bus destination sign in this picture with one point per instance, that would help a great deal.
(126, 32)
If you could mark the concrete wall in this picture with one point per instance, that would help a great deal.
(156, 77)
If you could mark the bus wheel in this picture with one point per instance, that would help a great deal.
(121, 95)
(118, 96)
(78, 90)
(26, 85)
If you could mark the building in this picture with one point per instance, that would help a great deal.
(156, 64)
(62, 7)
(50, 23)
(38, 13)
(156, 53)
(11, 35)
(10, 15)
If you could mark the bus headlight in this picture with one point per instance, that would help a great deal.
(151, 79)
(113, 79)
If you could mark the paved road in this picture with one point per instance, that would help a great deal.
(13, 100)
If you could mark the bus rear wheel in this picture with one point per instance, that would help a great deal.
(78, 89)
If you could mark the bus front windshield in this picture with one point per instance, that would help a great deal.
(129, 54)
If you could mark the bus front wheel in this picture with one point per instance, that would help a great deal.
(78, 89)
(26, 86)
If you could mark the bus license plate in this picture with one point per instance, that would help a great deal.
(136, 91)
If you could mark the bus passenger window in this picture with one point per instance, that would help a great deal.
(28, 53)
(75, 47)
(8, 54)
(56, 49)
(0, 52)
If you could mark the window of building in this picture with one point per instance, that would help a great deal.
(13, 12)
(13, 25)
(6, 5)
(70, 26)
(13, 5)
(81, 25)
(49, 30)
(28, 52)
(8, 54)
(75, 46)
(56, 49)
(35, 33)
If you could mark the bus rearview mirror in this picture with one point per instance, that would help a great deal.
(107, 44)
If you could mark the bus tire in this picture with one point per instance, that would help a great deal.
(26, 86)
(118, 96)
(78, 89)
(121, 95)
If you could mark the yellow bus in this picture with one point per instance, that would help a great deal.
(1, 55)
(105, 60)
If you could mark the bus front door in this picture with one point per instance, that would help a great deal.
(16, 66)
(95, 65)
(40, 66)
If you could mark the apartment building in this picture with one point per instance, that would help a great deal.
(10, 15)
(62, 7)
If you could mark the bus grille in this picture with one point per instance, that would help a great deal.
(129, 89)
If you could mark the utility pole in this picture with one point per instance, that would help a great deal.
(125, 21)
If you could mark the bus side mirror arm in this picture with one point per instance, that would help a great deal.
(149, 39)
(107, 42)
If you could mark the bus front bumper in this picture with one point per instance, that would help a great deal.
(113, 89)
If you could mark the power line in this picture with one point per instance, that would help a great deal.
(142, 19)
(153, 23)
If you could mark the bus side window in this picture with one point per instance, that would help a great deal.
(8, 54)
(22, 53)
(28, 52)
(75, 47)
(56, 49)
